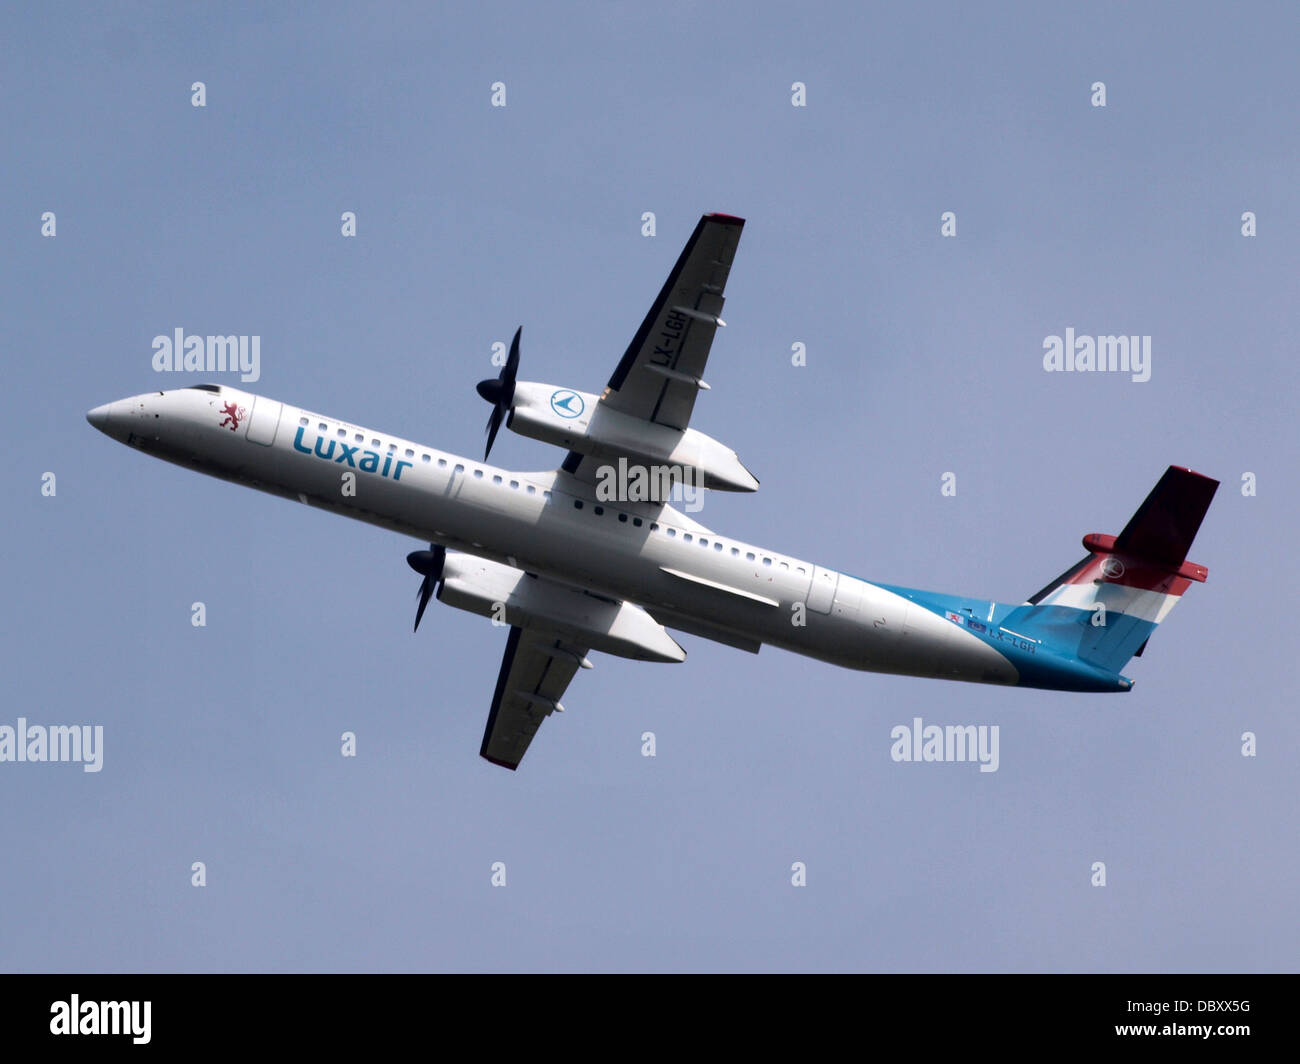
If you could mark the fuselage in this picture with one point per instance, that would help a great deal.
(647, 553)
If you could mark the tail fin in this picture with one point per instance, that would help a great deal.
(1104, 609)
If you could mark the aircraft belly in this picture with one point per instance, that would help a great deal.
(944, 650)
(906, 638)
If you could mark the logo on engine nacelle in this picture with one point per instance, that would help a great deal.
(567, 403)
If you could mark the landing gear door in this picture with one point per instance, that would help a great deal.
(822, 592)
(265, 420)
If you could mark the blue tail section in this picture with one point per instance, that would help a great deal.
(1082, 628)
(1103, 610)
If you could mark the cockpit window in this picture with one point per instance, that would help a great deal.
(206, 388)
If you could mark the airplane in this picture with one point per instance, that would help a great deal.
(572, 570)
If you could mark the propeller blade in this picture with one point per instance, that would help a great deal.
(426, 593)
(500, 391)
(494, 424)
(512, 359)
(429, 563)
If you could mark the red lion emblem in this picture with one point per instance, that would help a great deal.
(233, 415)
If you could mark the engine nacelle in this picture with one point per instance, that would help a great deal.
(576, 420)
(504, 593)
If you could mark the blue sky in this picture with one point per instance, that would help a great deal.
(924, 356)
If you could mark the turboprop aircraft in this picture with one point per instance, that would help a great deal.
(572, 566)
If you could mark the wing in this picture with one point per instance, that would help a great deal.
(535, 671)
(662, 370)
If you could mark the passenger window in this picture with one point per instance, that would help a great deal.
(599, 510)
(717, 546)
(532, 490)
(767, 561)
(324, 427)
(577, 504)
(623, 518)
(425, 457)
(410, 453)
(496, 479)
(478, 474)
(749, 557)
(514, 484)
(688, 537)
(735, 552)
(459, 468)
(343, 434)
(784, 565)
(442, 463)
(672, 531)
(637, 521)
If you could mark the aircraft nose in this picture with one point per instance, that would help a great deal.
(114, 420)
(99, 417)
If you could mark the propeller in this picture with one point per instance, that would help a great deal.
(428, 563)
(500, 392)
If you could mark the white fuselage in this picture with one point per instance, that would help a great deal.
(552, 524)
